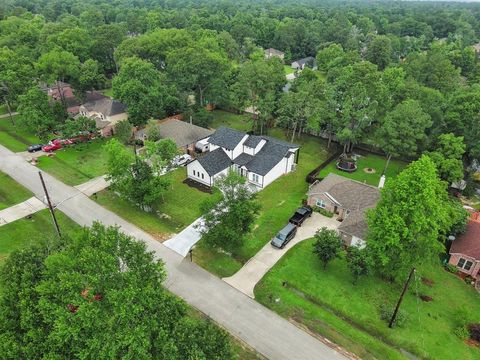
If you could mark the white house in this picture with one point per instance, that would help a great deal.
(303, 63)
(260, 159)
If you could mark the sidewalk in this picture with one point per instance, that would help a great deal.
(93, 186)
(253, 271)
(19, 211)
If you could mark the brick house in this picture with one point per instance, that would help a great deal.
(106, 112)
(465, 250)
(348, 200)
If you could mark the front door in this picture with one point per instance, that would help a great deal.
(335, 209)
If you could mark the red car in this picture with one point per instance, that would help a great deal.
(52, 147)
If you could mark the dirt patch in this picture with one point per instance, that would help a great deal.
(426, 298)
(427, 281)
(471, 342)
(161, 237)
(370, 170)
(197, 185)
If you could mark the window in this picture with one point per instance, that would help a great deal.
(464, 264)
(321, 203)
(194, 174)
(203, 176)
(256, 178)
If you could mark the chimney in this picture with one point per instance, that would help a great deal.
(381, 184)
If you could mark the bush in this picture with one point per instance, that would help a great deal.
(386, 313)
(468, 279)
(323, 211)
(462, 332)
(451, 268)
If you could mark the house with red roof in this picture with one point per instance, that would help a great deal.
(465, 250)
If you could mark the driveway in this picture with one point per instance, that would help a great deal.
(15, 212)
(184, 240)
(252, 272)
(265, 331)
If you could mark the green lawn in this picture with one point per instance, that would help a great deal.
(326, 302)
(3, 109)
(288, 69)
(179, 208)
(278, 200)
(242, 122)
(15, 138)
(23, 232)
(11, 192)
(77, 164)
(375, 162)
(107, 92)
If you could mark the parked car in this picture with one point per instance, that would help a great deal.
(301, 215)
(284, 236)
(181, 160)
(52, 147)
(34, 148)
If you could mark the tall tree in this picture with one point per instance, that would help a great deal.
(414, 212)
(226, 223)
(402, 132)
(57, 67)
(144, 90)
(447, 156)
(90, 78)
(379, 51)
(160, 154)
(85, 297)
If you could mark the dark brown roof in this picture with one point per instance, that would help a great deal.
(469, 243)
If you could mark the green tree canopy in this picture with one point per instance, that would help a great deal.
(447, 156)
(327, 246)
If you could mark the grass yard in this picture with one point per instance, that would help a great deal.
(242, 122)
(369, 161)
(11, 192)
(326, 302)
(278, 200)
(76, 164)
(16, 138)
(179, 208)
(107, 92)
(3, 109)
(21, 233)
(288, 69)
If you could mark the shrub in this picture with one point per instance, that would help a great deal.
(386, 313)
(468, 279)
(451, 268)
(462, 332)
(323, 211)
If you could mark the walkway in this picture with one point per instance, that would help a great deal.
(93, 186)
(268, 333)
(19, 211)
(7, 115)
(186, 239)
(253, 271)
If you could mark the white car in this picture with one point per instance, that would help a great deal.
(181, 160)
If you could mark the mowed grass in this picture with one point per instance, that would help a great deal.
(372, 161)
(78, 163)
(179, 207)
(278, 202)
(11, 192)
(21, 233)
(288, 69)
(107, 92)
(327, 303)
(242, 122)
(15, 137)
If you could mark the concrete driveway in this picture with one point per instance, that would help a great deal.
(252, 272)
(184, 240)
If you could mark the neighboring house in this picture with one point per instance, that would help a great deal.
(184, 134)
(465, 250)
(303, 63)
(270, 53)
(476, 47)
(348, 200)
(260, 159)
(106, 112)
(73, 104)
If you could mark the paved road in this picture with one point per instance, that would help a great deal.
(265, 331)
(252, 272)
(18, 211)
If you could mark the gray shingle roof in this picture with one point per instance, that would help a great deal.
(106, 106)
(214, 161)
(226, 138)
(181, 132)
(270, 155)
(306, 60)
(243, 159)
(252, 141)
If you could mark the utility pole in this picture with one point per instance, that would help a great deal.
(405, 287)
(50, 205)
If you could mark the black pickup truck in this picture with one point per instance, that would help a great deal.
(300, 215)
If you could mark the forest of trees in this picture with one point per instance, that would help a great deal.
(380, 64)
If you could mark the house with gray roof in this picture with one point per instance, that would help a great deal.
(106, 112)
(303, 63)
(349, 201)
(271, 52)
(260, 159)
(184, 134)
